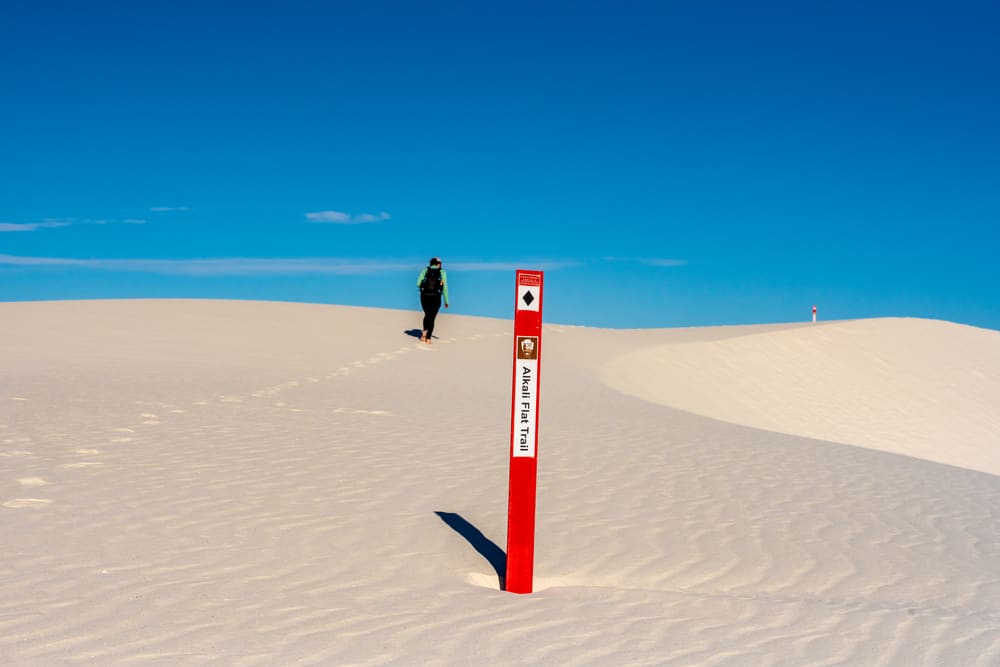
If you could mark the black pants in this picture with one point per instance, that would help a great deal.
(431, 303)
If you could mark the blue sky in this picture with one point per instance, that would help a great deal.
(667, 164)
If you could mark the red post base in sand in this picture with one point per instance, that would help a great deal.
(524, 432)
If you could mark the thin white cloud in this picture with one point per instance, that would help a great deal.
(51, 223)
(658, 261)
(168, 209)
(371, 217)
(242, 266)
(337, 217)
(221, 266)
(13, 260)
(649, 261)
(32, 226)
(341, 218)
(540, 265)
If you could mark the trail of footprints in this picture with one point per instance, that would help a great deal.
(122, 435)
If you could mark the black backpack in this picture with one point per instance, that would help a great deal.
(432, 283)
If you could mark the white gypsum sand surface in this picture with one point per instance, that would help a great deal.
(923, 388)
(187, 482)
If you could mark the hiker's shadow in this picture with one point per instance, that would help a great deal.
(414, 333)
(493, 554)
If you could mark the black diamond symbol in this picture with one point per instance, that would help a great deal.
(528, 297)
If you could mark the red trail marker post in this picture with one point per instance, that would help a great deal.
(524, 432)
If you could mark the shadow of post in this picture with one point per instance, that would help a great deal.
(493, 554)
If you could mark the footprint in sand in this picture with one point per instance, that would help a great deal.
(82, 464)
(123, 438)
(87, 452)
(270, 391)
(19, 503)
(31, 482)
(150, 419)
(18, 398)
(359, 364)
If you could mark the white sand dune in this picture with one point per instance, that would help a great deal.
(192, 482)
(922, 388)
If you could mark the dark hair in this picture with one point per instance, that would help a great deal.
(434, 260)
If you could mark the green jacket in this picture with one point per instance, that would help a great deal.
(444, 282)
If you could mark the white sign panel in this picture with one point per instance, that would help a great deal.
(526, 397)
(529, 297)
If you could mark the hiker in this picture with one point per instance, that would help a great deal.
(433, 284)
